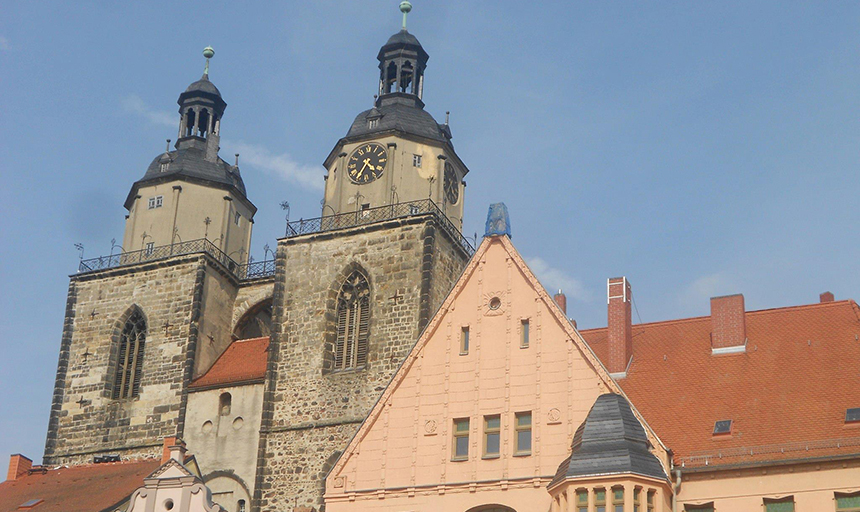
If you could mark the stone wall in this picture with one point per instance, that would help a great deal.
(85, 420)
(311, 413)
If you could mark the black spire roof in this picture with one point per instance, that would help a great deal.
(195, 157)
(610, 441)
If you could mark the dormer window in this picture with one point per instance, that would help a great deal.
(372, 123)
(164, 167)
(723, 427)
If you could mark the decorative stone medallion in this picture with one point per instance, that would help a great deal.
(430, 427)
(553, 416)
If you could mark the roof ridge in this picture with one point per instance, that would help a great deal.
(753, 312)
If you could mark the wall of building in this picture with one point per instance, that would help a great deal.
(314, 413)
(407, 444)
(226, 444)
(186, 208)
(216, 314)
(813, 486)
(85, 420)
(411, 182)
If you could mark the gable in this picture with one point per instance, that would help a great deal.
(556, 377)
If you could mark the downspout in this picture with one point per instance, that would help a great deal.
(675, 490)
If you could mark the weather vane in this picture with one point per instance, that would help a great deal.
(405, 7)
(208, 52)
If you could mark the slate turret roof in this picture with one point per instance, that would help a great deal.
(610, 441)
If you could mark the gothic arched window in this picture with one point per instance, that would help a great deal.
(130, 359)
(353, 316)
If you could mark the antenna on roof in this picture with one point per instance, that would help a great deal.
(405, 7)
(208, 52)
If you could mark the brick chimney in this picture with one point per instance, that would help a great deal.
(826, 297)
(561, 300)
(728, 324)
(168, 448)
(619, 325)
(18, 466)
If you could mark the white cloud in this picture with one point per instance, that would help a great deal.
(702, 289)
(255, 156)
(132, 103)
(554, 279)
(4, 44)
(281, 165)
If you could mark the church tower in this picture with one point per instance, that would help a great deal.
(355, 287)
(191, 193)
(396, 152)
(141, 324)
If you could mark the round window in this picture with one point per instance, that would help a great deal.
(168, 505)
(495, 303)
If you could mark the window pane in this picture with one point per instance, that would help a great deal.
(492, 444)
(846, 502)
(462, 447)
(493, 422)
(524, 441)
(782, 506)
(461, 425)
(600, 495)
(524, 419)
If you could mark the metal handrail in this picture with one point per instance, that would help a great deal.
(373, 215)
(251, 270)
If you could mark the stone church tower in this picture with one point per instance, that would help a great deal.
(355, 288)
(141, 324)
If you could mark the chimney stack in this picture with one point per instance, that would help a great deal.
(561, 300)
(826, 297)
(18, 466)
(728, 324)
(177, 450)
(619, 326)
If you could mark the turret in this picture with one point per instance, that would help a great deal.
(190, 193)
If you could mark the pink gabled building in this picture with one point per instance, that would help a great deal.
(502, 405)
(487, 405)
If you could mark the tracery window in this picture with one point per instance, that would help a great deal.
(353, 316)
(130, 359)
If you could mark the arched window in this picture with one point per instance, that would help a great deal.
(353, 316)
(256, 322)
(130, 359)
(189, 123)
(225, 402)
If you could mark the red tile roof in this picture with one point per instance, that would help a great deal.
(87, 488)
(786, 395)
(244, 360)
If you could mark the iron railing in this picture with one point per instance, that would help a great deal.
(373, 215)
(252, 270)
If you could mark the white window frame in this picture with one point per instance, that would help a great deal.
(416, 160)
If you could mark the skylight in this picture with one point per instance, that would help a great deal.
(723, 427)
(852, 415)
(30, 504)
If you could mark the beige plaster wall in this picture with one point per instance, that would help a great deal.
(812, 485)
(412, 183)
(226, 446)
(409, 444)
(186, 208)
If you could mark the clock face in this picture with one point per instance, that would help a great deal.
(366, 163)
(452, 184)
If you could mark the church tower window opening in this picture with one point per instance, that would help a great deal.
(353, 321)
(190, 119)
(130, 361)
(225, 403)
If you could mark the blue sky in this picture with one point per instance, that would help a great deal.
(699, 148)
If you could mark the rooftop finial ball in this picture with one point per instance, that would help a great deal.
(405, 6)
(208, 52)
